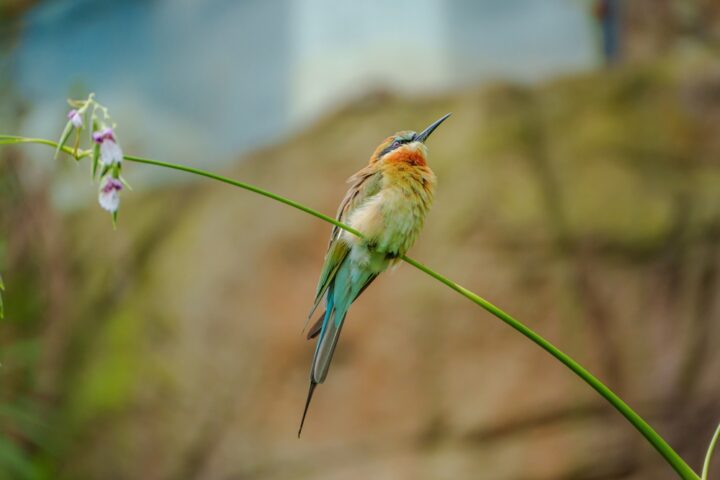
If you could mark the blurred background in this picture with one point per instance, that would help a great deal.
(579, 189)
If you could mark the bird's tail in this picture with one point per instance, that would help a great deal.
(348, 283)
(344, 290)
(327, 341)
(307, 404)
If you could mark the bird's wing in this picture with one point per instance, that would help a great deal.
(364, 184)
(337, 251)
(317, 326)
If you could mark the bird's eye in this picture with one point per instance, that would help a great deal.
(395, 144)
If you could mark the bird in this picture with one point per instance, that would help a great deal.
(387, 203)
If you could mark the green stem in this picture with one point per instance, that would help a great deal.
(13, 139)
(709, 454)
(244, 185)
(641, 425)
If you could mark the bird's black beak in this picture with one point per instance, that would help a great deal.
(422, 136)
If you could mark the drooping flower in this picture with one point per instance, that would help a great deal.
(110, 151)
(109, 196)
(75, 118)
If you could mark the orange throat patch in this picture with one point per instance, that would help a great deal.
(414, 158)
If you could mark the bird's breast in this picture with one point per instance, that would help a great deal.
(391, 220)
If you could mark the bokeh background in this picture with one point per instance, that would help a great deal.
(579, 190)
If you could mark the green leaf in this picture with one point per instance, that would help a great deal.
(64, 137)
(19, 413)
(14, 459)
(23, 416)
(22, 351)
(95, 158)
(709, 454)
(2, 310)
(76, 147)
(96, 146)
(93, 123)
(124, 182)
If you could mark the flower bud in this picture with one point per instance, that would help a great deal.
(75, 118)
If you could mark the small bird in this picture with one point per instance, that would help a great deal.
(387, 203)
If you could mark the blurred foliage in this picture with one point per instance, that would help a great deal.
(653, 28)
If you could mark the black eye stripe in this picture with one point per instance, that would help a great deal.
(396, 144)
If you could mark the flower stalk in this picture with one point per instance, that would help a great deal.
(105, 150)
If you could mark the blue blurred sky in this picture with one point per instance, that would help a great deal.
(201, 81)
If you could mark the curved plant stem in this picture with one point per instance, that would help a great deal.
(709, 454)
(677, 463)
(246, 186)
(12, 139)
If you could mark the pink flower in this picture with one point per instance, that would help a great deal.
(75, 118)
(110, 151)
(109, 196)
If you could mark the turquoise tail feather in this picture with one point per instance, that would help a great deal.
(348, 283)
(321, 349)
(342, 292)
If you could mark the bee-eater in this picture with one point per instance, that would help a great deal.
(387, 203)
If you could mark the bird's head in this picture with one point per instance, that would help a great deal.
(405, 147)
